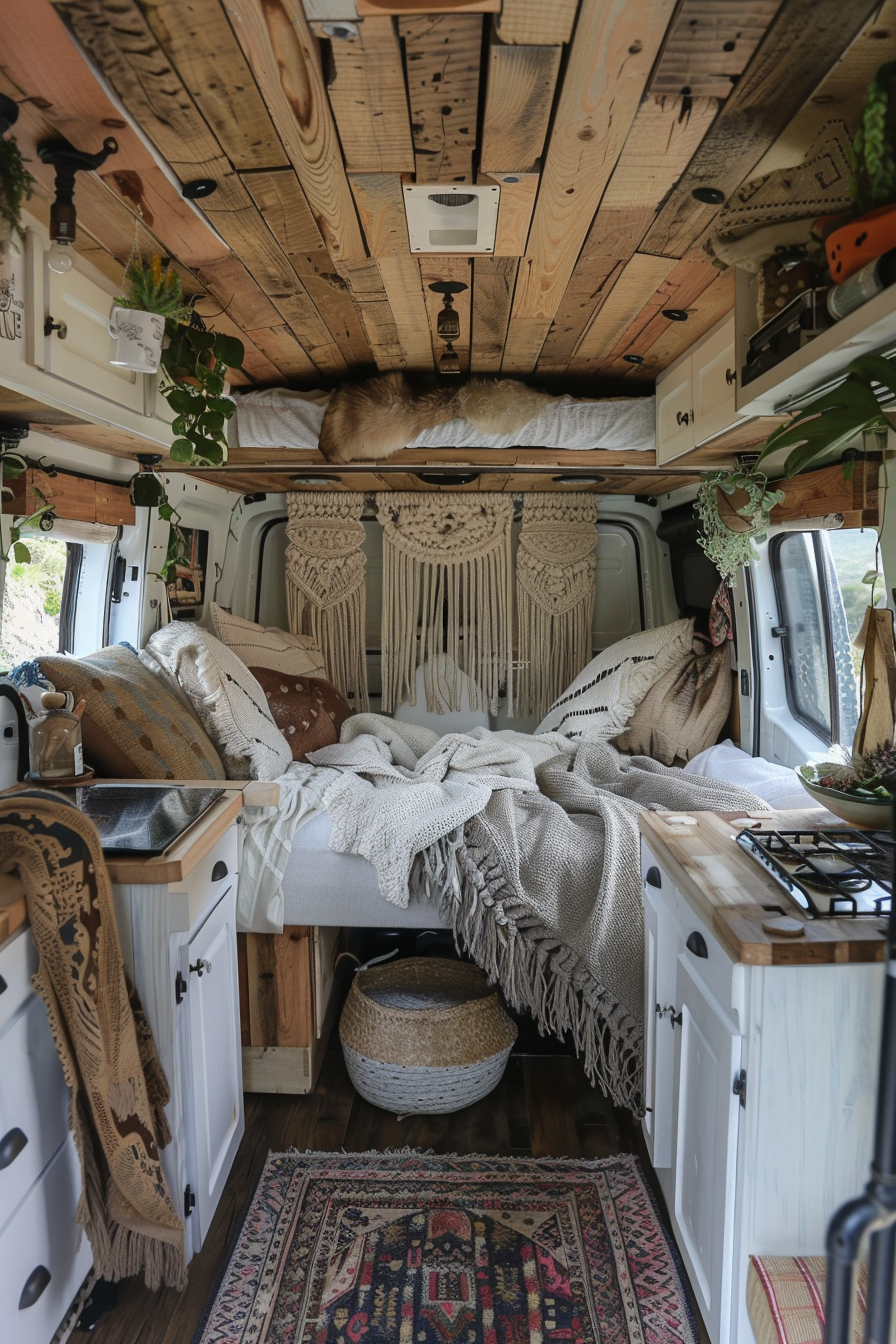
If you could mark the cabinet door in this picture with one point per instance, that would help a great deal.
(214, 1085)
(82, 357)
(705, 1147)
(674, 412)
(660, 953)
(715, 385)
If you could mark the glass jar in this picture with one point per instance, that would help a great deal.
(55, 739)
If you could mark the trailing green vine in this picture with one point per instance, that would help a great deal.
(13, 465)
(16, 185)
(726, 548)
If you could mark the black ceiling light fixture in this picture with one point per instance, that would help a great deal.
(9, 113)
(199, 187)
(320, 479)
(633, 359)
(572, 478)
(448, 322)
(676, 314)
(708, 195)
(67, 161)
(447, 477)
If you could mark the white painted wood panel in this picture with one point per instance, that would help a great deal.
(33, 1103)
(674, 411)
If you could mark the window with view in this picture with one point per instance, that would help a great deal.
(32, 601)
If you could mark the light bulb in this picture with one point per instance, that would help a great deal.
(59, 257)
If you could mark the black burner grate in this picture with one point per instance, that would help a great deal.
(830, 872)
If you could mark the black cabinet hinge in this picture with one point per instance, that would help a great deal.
(189, 1201)
(180, 988)
(740, 1087)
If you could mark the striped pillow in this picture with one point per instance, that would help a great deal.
(268, 646)
(603, 696)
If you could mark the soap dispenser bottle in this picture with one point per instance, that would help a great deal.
(55, 738)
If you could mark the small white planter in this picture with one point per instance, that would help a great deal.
(136, 339)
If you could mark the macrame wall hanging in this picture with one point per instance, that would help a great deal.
(325, 583)
(555, 575)
(446, 590)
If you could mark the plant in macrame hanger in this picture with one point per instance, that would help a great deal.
(734, 509)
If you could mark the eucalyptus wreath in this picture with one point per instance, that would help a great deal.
(729, 550)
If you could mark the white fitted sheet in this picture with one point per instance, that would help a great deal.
(325, 888)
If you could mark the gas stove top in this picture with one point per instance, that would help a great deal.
(835, 872)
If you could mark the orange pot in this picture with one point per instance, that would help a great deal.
(853, 245)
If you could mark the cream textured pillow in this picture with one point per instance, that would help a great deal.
(603, 696)
(685, 709)
(226, 698)
(268, 646)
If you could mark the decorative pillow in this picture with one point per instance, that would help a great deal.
(267, 646)
(132, 726)
(226, 698)
(308, 710)
(603, 696)
(685, 709)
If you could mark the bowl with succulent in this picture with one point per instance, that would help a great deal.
(855, 790)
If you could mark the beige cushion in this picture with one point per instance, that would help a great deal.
(685, 709)
(225, 697)
(132, 726)
(268, 646)
(785, 1299)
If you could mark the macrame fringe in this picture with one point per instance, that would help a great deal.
(555, 573)
(447, 601)
(536, 972)
(325, 594)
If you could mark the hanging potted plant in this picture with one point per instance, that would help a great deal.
(152, 295)
(734, 509)
(195, 365)
(16, 183)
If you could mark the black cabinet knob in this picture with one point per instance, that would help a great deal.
(11, 1145)
(35, 1284)
(696, 943)
(653, 877)
(219, 871)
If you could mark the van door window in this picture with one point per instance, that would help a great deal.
(57, 602)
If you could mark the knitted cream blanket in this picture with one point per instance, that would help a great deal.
(534, 859)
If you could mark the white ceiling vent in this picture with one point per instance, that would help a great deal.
(445, 218)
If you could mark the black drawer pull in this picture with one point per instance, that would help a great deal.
(653, 877)
(696, 943)
(11, 1145)
(219, 871)
(35, 1284)
(3, 985)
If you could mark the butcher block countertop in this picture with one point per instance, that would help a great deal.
(735, 897)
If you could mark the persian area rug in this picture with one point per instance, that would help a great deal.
(406, 1248)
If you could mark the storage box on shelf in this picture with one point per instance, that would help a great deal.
(731, 1047)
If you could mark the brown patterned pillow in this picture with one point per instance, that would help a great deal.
(132, 726)
(308, 710)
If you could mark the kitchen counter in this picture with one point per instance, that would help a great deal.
(740, 902)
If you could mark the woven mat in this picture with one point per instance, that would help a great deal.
(407, 1248)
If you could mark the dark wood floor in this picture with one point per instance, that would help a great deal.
(543, 1107)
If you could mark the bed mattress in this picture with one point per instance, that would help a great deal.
(325, 888)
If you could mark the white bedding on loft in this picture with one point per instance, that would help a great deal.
(283, 418)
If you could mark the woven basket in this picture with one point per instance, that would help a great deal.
(424, 1036)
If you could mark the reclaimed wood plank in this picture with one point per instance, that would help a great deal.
(518, 195)
(637, 288)
(202, 47)
(455, 268)
(681, 289)
(709, 45)
(404, 290)
(368, 97)
(494, 279)
(519, 94)
(381, 210)
(609, 63)
(365, 286)
(714, 302)
(801, 44)
(238, 294)
(284, 57)
(665, 133)
(442, 59)
(536, 22)
(280, 199)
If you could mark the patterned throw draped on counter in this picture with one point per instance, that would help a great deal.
(446, 590)
(555, 578)
(325, 583)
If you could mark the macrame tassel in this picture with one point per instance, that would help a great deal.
(555, 578)
(325, 583)
(447, 598)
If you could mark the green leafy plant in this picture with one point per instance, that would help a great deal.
(833, 421)
(153, 287)
(195, 363)
(873, 157)
(13, 465)
(16, 185)
(148, 491)
(728, 541)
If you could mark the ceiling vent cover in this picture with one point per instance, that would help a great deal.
(445, 218)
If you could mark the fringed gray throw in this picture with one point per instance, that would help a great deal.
(325, 583)
(446, 590)
(555, 569)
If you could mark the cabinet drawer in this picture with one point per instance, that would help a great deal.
(33, 1104)
(192, 900)
(41, 1267)
(709, 963)
(18, 962)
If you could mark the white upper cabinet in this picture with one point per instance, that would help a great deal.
(75, 344)
(695, 396)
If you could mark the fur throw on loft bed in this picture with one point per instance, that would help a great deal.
(371, 420)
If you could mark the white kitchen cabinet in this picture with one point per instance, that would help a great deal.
(695, 396)
(178, 940)
(767, 1124)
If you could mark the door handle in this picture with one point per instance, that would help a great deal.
(730, 376)
(202, 965)
(682, 418)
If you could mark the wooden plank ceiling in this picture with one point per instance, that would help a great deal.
(598, 119)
